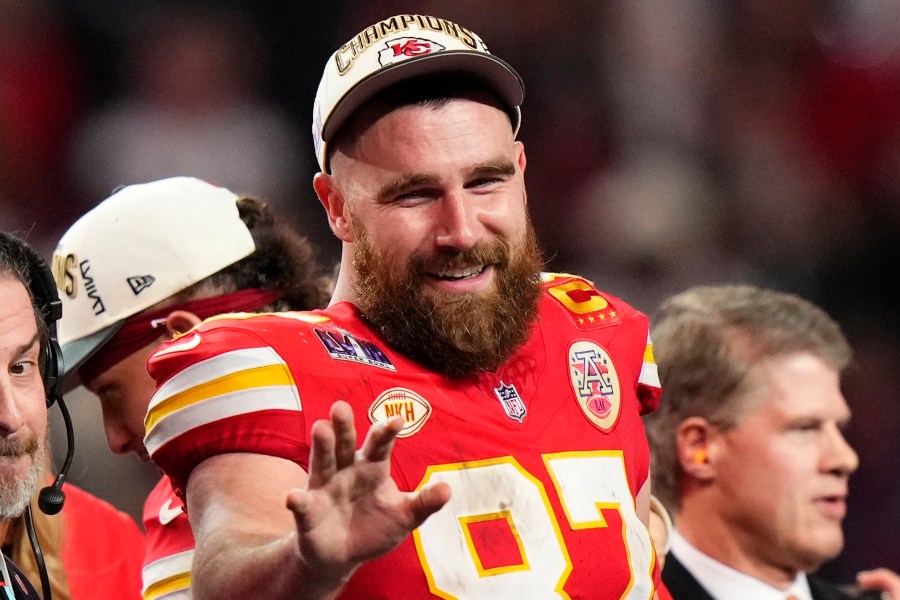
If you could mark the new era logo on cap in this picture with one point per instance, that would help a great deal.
(140, 283)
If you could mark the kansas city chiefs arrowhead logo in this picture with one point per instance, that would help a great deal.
(400, 49)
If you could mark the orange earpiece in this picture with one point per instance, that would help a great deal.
(700, 456)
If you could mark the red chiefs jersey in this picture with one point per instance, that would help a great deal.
(102, 548)
(170, 546)
(544, 456)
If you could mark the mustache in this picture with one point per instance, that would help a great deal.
(19, 447)
(448, 260)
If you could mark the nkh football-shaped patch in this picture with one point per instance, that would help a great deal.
(401, 402)
(595, 383)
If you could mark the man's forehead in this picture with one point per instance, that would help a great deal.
(18, 324)
(462, 131)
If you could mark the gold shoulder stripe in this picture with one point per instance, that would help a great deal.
(265, 376)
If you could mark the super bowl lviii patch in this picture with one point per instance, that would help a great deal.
(342, 345)
(401, 402)
(595, 383)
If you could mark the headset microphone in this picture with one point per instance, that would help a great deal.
(51, 498)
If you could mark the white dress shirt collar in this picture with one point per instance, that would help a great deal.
(724, 583)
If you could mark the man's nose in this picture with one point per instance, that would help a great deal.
(841, 456)
(459, 227)
(11, 418)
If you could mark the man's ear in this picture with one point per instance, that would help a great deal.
(333, 201)
(693, 442)
(520, 156)
(181, 321)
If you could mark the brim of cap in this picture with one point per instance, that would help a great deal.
(495, 73)
(77, 351)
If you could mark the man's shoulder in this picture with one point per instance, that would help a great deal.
(93, 511)
(680, 583)
(579, 301)
(271, 334)
(271, 322)
(21, 586)
(822, 589)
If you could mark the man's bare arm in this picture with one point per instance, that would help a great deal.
(263, 526)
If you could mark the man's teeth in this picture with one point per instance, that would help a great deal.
(461, 273)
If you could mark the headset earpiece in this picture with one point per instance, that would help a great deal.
(46, 299)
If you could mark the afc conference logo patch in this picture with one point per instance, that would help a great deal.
(595, 383)
(400, 49)
(402, 402)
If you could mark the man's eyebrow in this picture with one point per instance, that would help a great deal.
(28, 346)
(405, 182)
(500, 166)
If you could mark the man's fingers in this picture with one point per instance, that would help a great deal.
(344, 433)
(322, 462)
(428, 501)
(380, 440)
(880, 579)
(297, 501)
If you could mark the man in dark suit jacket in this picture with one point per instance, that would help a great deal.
(747, 447)
(682, 585)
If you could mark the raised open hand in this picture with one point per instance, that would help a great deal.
(352, 510)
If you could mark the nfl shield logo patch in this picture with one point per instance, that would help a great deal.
(511, 401)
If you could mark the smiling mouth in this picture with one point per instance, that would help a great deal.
(460, 274)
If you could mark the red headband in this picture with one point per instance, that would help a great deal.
(141, 329)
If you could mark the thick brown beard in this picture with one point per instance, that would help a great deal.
(453, 334)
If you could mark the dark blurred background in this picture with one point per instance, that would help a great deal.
(670, 143)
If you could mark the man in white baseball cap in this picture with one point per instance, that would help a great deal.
(464, 366)
(398, 49)
(141, 246)
(146, 264)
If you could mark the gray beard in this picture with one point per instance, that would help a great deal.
(15, 493)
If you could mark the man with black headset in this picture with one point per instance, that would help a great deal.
(94, 550)
(26, 383)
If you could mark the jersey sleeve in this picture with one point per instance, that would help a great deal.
(221, 389)
(648, 386)
(166, 572)
(596, 313)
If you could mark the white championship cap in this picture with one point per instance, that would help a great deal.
(400, 48)
(138, 247)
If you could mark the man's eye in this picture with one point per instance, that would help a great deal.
(22, 367)
(413, 197)
(811, 426)
(485, 182)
